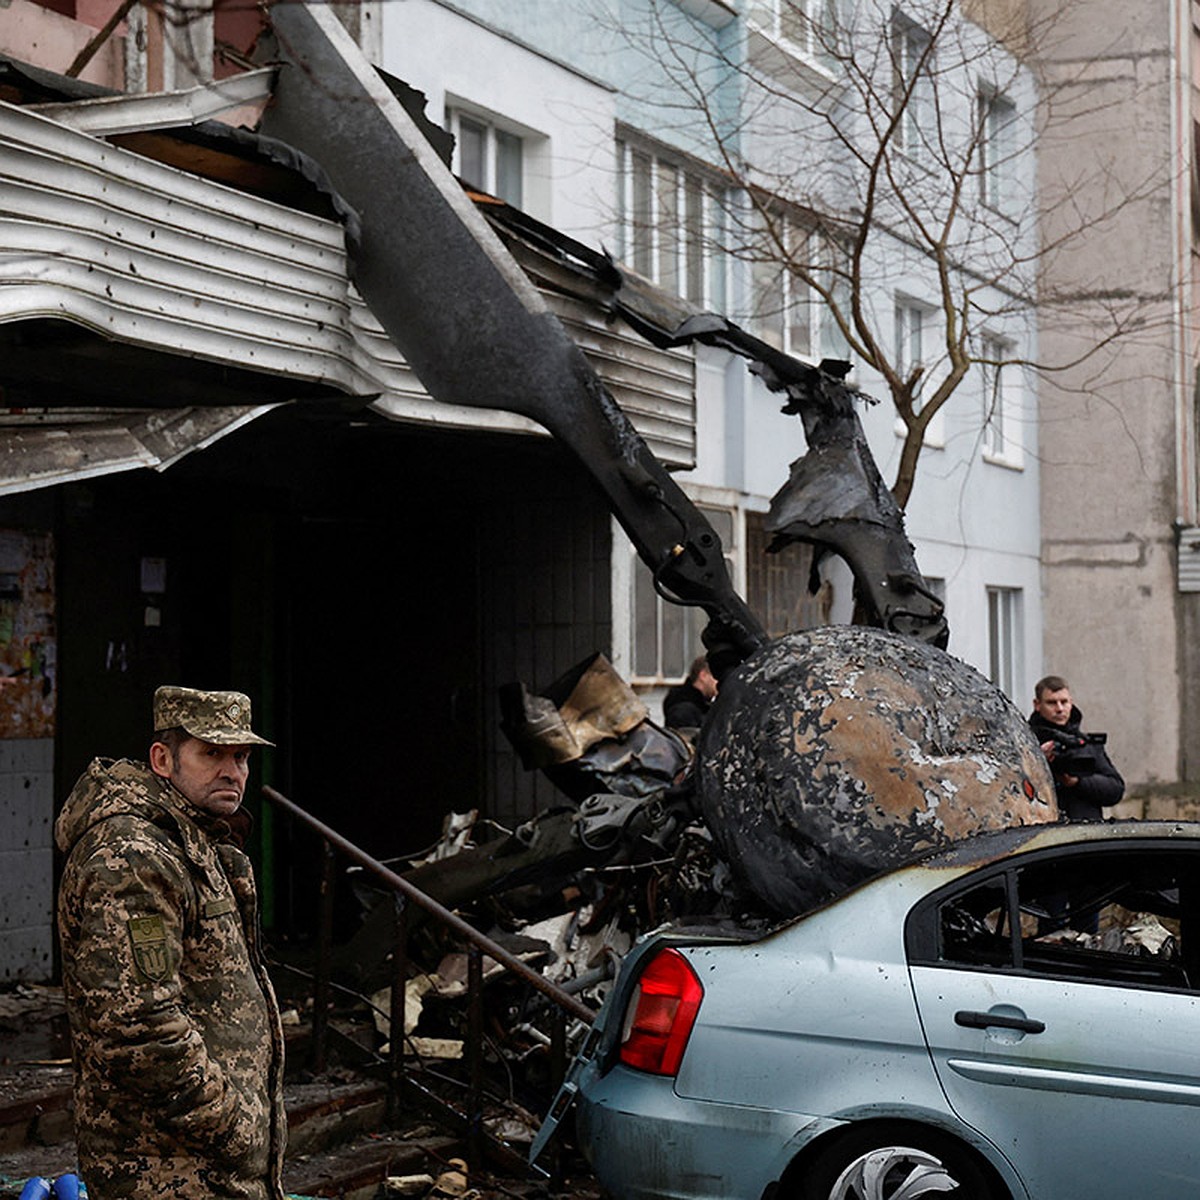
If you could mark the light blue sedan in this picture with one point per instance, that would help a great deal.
(1018, 1017)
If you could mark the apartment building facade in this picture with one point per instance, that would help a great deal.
(1121, 554)
(643, 127)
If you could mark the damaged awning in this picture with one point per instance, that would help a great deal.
(103, 116)
(51, 446)
(178, 270)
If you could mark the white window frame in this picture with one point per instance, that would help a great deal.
(630, 573)
(1000, 385)
(914, 329)
(997, 126)
(910, 42)
(496, 134)
(672, 221)
(783, 303)
(1006, 638)
(815, 21)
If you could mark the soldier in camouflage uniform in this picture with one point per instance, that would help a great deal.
(177, 1043)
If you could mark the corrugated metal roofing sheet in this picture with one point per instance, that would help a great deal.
(104, 115)
(153, 256)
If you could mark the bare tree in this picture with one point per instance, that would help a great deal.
(878, 173)
(880, 170)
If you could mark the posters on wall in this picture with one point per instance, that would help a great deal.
(28, 644)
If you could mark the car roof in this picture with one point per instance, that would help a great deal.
(929, 872)
(982, 848)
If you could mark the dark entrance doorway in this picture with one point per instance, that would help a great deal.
(369, 584)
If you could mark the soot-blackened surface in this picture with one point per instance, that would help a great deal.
(833, 754)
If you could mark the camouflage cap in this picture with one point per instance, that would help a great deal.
(222, 718)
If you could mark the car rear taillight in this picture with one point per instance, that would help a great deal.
(661, 1014)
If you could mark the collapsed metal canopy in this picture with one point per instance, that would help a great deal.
(206, 269)
(46, 447)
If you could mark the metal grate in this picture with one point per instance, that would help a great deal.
(1189, 558)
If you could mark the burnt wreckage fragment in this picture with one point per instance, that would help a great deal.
(866, 747)
(839, 752)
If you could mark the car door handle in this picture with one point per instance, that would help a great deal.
(987, 1020)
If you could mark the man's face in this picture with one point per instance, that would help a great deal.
(212, 777)
(1055, 707)
(706, 683)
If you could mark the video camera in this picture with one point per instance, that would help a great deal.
(1076, 753)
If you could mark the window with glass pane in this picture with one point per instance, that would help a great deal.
(672, 223)
(508, 167)
(806, 26)
(911, 87)
(767, 277)
(800, 317)
(694, 239)
(641, 233)
(718, 264)
(789, 312)
(472, 152)
(488, 158)
(666, 636)
(997, 125)
(833, 340)
(1005, 638)
(910, 336)
(995, 409)
(668, 223)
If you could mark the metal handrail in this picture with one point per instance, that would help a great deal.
(468, 932)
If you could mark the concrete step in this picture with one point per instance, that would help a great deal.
(322, 1115)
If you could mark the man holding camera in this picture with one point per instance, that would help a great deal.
(1084, 777)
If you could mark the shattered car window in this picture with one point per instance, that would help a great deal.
(974, 926)
(1123, 917)
(1114, 918)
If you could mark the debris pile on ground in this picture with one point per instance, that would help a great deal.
(567, 892)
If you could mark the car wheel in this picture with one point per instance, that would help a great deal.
(898, 1163)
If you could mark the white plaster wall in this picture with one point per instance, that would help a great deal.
(566, 116)
(973, 523)
(26, 858)
(1108, 433)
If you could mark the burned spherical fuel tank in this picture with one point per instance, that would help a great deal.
(836, 753)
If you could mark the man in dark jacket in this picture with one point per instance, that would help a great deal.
(1082, 791)
(685, 705)
(175, 1031)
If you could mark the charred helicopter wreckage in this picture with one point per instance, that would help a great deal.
(828, 755)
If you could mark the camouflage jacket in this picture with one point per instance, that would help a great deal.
(176, 1037)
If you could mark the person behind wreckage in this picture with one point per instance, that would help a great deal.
(1082, 795)
(176, 1037)
(686, 705)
